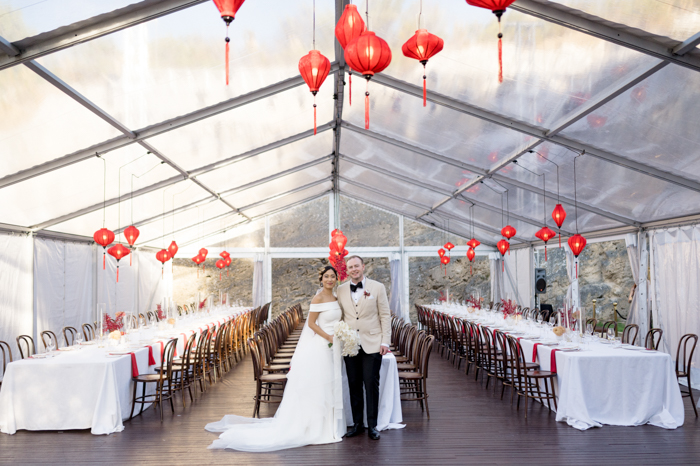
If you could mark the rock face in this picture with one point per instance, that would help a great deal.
(296, 280)
(238, 285)
(365, 226)
(418, 234)
(604, 275)
(428, 281)
(301, 227)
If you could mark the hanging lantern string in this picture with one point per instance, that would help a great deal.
(500, 51)
(119, 213)
(132, 185)
(367, 13)
(420, 13)
(575, 197)
(314, 33)
(104, 187)
(228, 40)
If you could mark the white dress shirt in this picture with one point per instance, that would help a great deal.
(355, 295)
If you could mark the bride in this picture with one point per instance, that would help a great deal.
(311, 411)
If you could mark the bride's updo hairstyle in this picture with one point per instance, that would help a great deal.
(326, 269)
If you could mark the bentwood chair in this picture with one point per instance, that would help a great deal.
(88, 332)
(530, 383)
(69, 335)
(629, 334)
(47, 336)
(29, 347)
(163, 381)
(592, 321)
(609, 324)
(415, 383)
(684, 358)
(6, 357)
(653, 338)
(268, 387)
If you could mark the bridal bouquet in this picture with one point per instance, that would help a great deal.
(348, 337)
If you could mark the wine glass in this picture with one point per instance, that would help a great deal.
(51, 347)
(589, 329)
(552, 321)
(79, 338)
(539, 319)
(611, 334)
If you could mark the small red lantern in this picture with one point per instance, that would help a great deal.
(198, 260)
(449, 246)
(577, 243)
(471, 254)
(349, 27)
(559, 215)
(163, 257)
(596, 121)
(220, 264)
(503, 247)
(340, 240)
(172, 249)
(545, 234)
(228, 10)
(445, 260)
(104, 238)
(203, 252)
(421, 46)
(224, 254)
(131, 233)
(118, 251)
(441, 253)
(314, 68)
(228, 263)
(508, 231)
(473, 243)
(498, 7)
(336, 232)
(368, 54)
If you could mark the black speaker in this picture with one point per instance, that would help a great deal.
(540, 281)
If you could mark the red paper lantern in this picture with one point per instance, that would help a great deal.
(596, 121)
(220, 264)
(227, 261)
(449, 246)
(340, 241)
(577, 243)
(498, 7)
(118, 251)
(421, 46)
(559, 215)
(473, 243)
(349, 27)
(228, 10)
(198, 260)
(104, 238)
(224, 254)
(445, 260)
(336, 232)
(172, 249)
(503, 246)
(203, 252)
(508, 231)
(545, 234)
(441, 253)
(163, 257)
(368, 54)
(131, 233)
(471, 254)
(314, 68)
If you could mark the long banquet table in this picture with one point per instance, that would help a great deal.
(597, 383)
(85, 387)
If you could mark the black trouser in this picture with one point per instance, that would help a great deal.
(364, 369)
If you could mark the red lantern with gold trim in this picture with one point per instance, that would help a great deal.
(172, 249)
(104, 238)
(228, 10)
(131, 233)
(498, 7)
(545, 234)
(220, 264)
(314, 69)
(444, 261)
(349, 27)
(473, 243)
(368, 54)
(503, 247)
(118, 251)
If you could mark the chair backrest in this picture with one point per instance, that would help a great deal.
(6, 355)
(609, 324)
(592, 321)
(29, 347)
(47, 336)
(651, 341)
(88, 332)
(256, 357)
(166, 364)
(516, 364)
(684, 354)
(629, 334)
(426, 349)
(69, 335)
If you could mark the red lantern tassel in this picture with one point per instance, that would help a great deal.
(500, 52)
(367, 107)
(559, 237)
(314, 114)
(226, 273)
(227, 52)
(130, 259)
(425, 88)
(545, 253)
(219, 276)
(104, 261)
(470, 270)
(117, 274)
(577, 269)
(350, 91)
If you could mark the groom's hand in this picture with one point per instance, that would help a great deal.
(384, 350)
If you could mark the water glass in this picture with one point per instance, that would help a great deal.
(589, 329)
(79, 338)
(611, 334)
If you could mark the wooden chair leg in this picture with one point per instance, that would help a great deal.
(133, 402)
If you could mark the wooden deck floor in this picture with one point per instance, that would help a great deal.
(468, 425)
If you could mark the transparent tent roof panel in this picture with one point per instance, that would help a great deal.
(371, 198)
(174, 65)
(245, 128)
(282, 202)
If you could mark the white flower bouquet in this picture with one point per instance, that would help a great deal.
(348, 337)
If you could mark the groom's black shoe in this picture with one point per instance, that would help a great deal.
(373, 433)
(356, 429)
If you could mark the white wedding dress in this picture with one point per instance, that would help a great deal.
(311, 411)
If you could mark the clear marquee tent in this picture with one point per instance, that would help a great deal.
(133, 93)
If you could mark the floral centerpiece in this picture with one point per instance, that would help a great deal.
(116, 324)
(509, 308)
(348, 337)
(474, 302)
(160, 313)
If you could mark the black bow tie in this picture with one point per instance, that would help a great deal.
(354, 288)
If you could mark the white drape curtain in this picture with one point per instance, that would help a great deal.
(152, 288)
(16, 296)
(63, 285)
(258, 281)
(675, 255)
(496, 264)
(636, 316)
(518, 279)
(572, 298)
(396, 285)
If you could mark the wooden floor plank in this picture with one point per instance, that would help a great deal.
(468, 425)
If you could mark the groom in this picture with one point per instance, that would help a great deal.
(365, 309)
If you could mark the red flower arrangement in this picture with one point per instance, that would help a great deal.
(201, 305)
(473, 301)
(160, 313)
(114, 324)
(508, 308)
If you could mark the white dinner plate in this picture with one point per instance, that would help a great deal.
(88, 343)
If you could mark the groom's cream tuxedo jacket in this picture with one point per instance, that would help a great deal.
(371, 315)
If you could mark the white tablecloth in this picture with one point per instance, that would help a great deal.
(605, 385)
(82, 389)
(389, 415)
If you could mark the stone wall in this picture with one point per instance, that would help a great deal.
(301, 227)
(428, 281)
(296, 280)
(604, 275)
(238, 284)
(365, 226)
